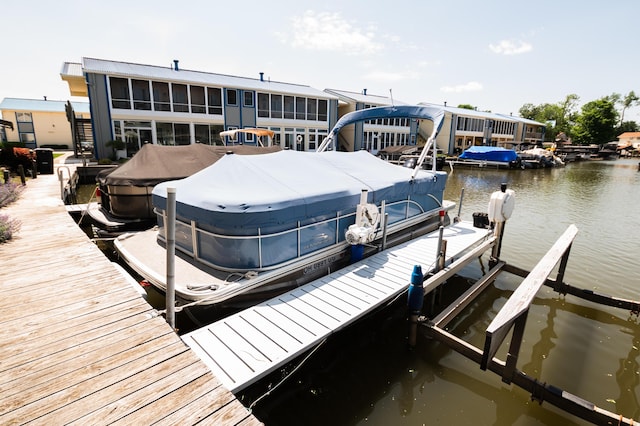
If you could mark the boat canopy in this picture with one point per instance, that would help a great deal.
(158, 163)
(489, 153)
(244, 195)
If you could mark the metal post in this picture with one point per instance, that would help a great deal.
(171, 251)
(457, 218)
(385, 223)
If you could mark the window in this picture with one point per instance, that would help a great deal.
(180, 100)
(25, 128)
(182, 133)
(289, 107)
(248, 98)
(197, 100)
(301, 110)
(141, 95)
(214, 99)
(161, 99)
(164, 134)
(322, 109)
(311, 109)
(232, 97)
(276, 106)
(263, 105)
(119, 93)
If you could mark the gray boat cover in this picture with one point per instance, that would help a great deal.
(240, 194)
(158, 163)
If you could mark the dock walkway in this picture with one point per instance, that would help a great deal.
(246, 346)
(78, 344)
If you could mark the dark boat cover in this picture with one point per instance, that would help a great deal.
(158, 163)
(272, 192)
(489, 153)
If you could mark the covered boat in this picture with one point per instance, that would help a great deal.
(251, 225)
(489, 156)
(125, 192)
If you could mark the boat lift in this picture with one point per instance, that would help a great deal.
(513, 315)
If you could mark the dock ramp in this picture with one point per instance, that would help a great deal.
(246, 346)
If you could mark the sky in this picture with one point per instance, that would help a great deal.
(494, 55)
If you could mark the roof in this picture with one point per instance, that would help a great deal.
(629, 135)
(40, 105)
(364, 98)
(169, 73)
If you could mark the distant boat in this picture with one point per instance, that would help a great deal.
(488, 156)
(248, 226)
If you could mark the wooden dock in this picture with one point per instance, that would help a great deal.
(78, 343)
(245, 347)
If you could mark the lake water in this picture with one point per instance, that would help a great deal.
(366, 375)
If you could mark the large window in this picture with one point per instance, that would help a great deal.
(198, 105)
(289, 107)
(214, 100)
(276, 106)
(322, 110)
(161, 99)
(25, 128)
(164, 134)
(248, 98)
(263, 105)
(301, 110)
(120, 93)
(182, 133)
(180, 99)
(312, 113)
(208, 134)
(232, 97)
(141, 95)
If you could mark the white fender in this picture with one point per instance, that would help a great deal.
(501, 205)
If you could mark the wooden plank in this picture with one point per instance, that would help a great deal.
(198, 409)
(39, 402)
(148, 392)
(174, 402)
(522, 297)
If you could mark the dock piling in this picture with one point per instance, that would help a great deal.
(171, 250)
(415, 299)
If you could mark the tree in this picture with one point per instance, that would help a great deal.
(627, 102)
(466, 106)
(597, 122)
(559, 117)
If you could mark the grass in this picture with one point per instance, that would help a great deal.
(8, 226)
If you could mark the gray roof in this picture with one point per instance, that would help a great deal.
(40, 105)
(484, 114)
(168, 73)
(73, 69)
(366, 99)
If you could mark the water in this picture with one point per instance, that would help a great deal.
(365, 375)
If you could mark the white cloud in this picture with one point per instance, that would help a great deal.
(472, 86)
(511, 47)
(330, 32)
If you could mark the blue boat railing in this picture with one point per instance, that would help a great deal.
(270, 251)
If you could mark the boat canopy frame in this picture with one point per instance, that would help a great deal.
(419, 112)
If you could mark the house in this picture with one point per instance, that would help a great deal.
(38, 123)
(168, 105)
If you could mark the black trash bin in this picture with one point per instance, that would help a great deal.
(44, 160)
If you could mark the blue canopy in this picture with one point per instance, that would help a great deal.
(489, 153)
(272, 192)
